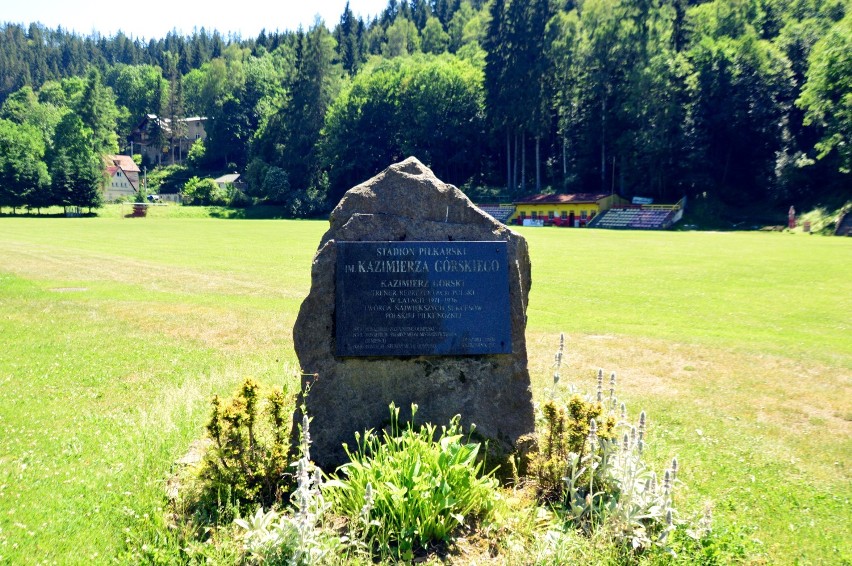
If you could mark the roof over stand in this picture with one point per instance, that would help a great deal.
(575, 198)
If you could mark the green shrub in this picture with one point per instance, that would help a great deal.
(197, 153)
(565, 430)
(166, 178)
(237, 198)
(204, 192)
(408, 488)
(140, 195)
(247, 462)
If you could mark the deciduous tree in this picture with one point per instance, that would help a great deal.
(827, 95)
(23, 174)
(430, 107)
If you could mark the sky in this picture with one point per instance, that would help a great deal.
(153, 19)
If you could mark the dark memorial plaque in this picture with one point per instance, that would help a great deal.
(422, 298)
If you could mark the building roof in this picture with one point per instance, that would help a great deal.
(165, 123)
(115, 163)
(229, 178)
(125, 162)
(574, 198)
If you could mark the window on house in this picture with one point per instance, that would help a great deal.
(534, 215)
(550, 215)
(564, 214)
(523, 214)
(584, 214)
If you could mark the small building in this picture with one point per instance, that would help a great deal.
(143, 138)
(574, 210)
(122, 177)
(230, 179)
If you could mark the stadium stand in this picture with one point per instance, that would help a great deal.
(501, 213)
(651, 217)
(844, 225)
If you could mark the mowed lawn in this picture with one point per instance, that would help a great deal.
(115, 333)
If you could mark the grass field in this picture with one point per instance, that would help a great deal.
(114, 334)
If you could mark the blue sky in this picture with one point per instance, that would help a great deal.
(154, 18)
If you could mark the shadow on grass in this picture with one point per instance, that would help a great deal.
(259, 212)
(29, 214)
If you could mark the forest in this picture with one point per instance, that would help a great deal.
(738, 102)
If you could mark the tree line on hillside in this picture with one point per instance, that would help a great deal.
(52, 144)
(739, 101)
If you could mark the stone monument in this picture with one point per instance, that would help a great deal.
(417, 296)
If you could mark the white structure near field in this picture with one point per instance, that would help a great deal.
(122, 177)
(230, 179)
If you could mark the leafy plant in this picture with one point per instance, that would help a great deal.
(590, 461)
(204, 192)
(247, 461)
(274, 537)
(140, 195)
(196, 155)
(411, 488)
(564, 430)
(266, 534)
(611, 487)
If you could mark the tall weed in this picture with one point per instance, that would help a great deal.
(590, 461)
(298, 538)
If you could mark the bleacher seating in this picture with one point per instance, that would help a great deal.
(500, 213)
(844, 225)
(633, 219)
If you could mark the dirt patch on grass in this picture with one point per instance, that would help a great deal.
(36, 262)
(793, 405)
(244, 330)
(733, 381)
(637, 366)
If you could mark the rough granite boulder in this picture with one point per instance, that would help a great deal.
(406, 202)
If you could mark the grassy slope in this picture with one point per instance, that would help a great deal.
(115, 332)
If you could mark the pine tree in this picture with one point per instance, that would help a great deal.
(314, 87)
(349, 34)
(97, 110)
(174, 108)
(76, 169)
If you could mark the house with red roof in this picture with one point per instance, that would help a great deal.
(574, 209)
(122, 177)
